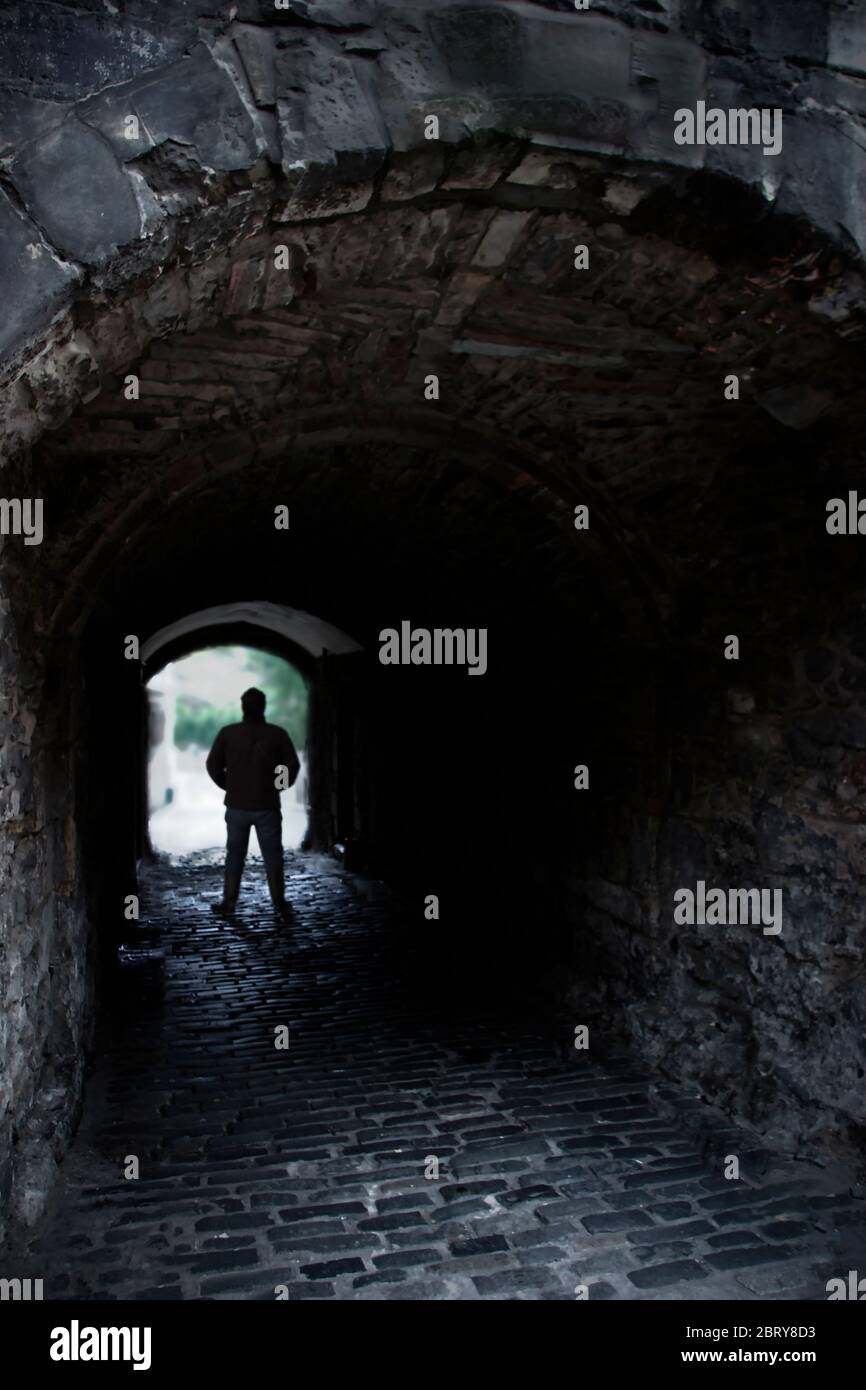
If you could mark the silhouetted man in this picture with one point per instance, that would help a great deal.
(244, 761)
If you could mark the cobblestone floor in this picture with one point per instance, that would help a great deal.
(305, 1167)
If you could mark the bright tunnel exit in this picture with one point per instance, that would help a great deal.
(189, 701)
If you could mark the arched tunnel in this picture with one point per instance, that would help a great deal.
(331, 321)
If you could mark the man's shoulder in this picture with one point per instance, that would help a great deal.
(277, 729)
(228, 729)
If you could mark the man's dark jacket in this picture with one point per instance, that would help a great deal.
(244, 761)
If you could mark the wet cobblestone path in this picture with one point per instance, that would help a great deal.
(307, 1167)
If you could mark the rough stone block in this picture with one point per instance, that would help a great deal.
(846, 39)
(411, 175)
(195, 102)
(411, 78)
(256, 47)
(329, 115)
(34, 282)
(68, 55)
(24, 119)
(77, 191)
(480, 44)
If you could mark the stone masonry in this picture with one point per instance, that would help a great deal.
(232, 265)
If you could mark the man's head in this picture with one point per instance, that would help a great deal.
(253, 704)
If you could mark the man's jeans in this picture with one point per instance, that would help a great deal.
(269, 833)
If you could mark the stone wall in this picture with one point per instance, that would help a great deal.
(47, 965)
(756, 779)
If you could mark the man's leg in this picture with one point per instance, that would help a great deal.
(269, 832)
(237, 840)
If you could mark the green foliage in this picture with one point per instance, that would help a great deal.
(286, 690)
(198, 721)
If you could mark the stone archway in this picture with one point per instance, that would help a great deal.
(321, 651)
(311, 634)
(205, 129)
(238, 274)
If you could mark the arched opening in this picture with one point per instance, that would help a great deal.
(299, 643)
(189, 701)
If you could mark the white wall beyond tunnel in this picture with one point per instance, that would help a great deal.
(185, 809)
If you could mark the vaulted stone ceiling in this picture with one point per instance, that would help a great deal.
(409, 257)
(564, 386)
